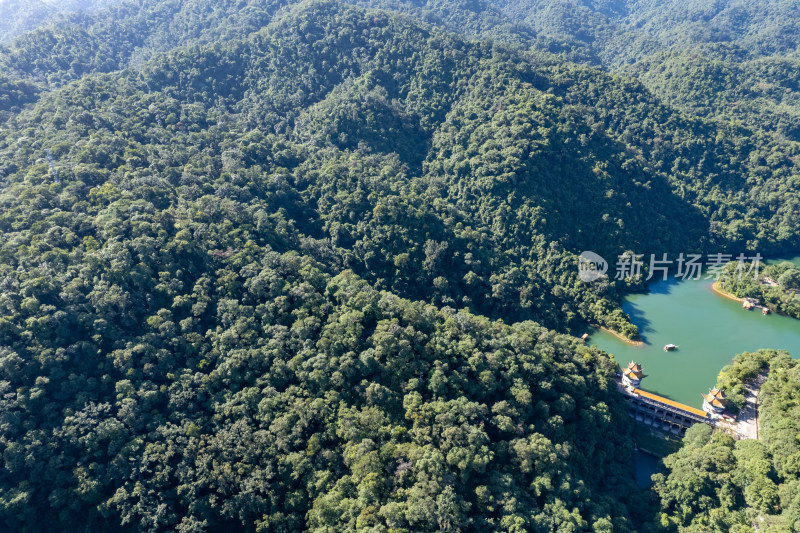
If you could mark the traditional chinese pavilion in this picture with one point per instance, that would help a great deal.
(715, 401)
(632, 375)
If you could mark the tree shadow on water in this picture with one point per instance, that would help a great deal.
(637, 314)
(639, 320)
(661, 286)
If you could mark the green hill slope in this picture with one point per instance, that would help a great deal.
(20, 16)
(185, 347)
(267, 281)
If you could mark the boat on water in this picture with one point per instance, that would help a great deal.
(670, 347)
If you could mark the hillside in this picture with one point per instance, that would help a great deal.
(20, 16)
(729, 61)
(201, 316)
(275, 266)
(483, 145)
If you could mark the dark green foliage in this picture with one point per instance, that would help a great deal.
(259, 392)
(699, 491)
(708, 166)
(14, 94)
(715, 483)
(362, 171)
(272, 285)
(170, 367)
(729, 83)
(776, 286)
(185, 347)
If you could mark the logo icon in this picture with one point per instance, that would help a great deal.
(591, 267)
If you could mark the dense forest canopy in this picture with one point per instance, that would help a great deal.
(281, 266)
(20, 16)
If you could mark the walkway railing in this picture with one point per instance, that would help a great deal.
(667, 405)
(684, 411)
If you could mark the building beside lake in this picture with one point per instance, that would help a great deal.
(749, 303)
(632, 375)
(715, 401)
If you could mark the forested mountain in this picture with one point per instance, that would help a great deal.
(185, 347)
(576, 122)
(725, 60)
(20, 16)
(277, 266)
(733, 60)
(620, 31)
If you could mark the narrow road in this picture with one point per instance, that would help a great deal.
(747, 422)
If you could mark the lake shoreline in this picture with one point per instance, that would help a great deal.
(729, 296)
(620, 336)
(709, 329)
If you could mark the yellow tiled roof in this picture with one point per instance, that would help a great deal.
(631, 374)
(633, 371)
(670, 402)
(715, 401)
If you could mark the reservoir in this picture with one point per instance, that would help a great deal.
(708, 329)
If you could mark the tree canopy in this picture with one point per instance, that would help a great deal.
(282, 266)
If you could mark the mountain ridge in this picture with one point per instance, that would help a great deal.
(324, 275)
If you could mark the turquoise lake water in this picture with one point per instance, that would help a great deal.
(708, 329)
